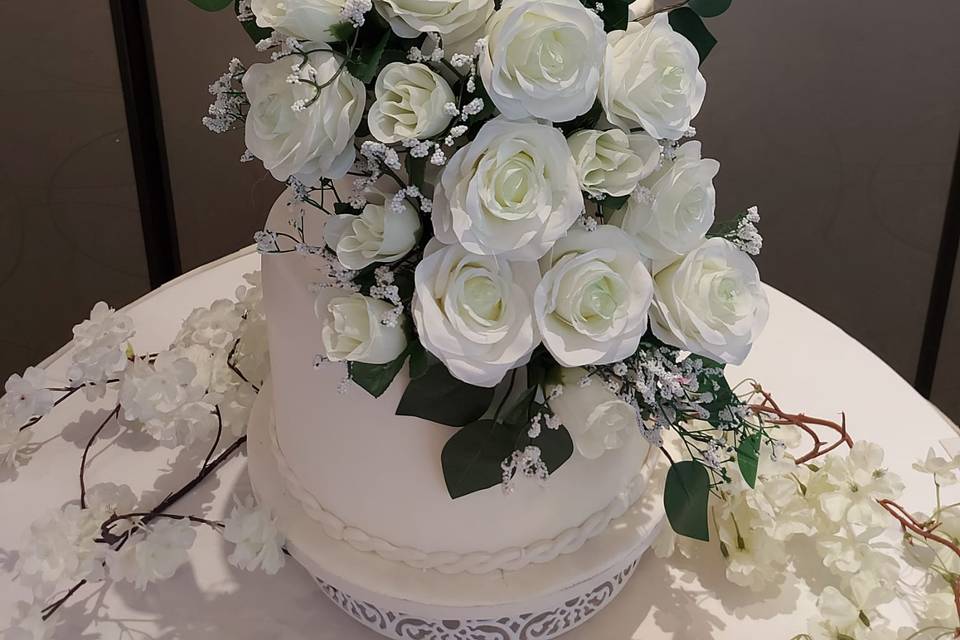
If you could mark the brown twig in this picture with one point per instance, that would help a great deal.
(926, 531)
(86, 451)
(777, 416)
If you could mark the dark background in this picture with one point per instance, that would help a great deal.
(839, 119)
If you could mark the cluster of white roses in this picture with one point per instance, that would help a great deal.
(509, 267)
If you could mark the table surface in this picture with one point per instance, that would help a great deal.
(808, 363)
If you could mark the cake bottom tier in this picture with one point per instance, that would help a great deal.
(538, 601)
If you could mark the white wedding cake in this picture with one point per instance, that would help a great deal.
(373, 479)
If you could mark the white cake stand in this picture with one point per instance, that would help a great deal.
(538, 601)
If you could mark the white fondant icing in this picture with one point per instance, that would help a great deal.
(381, 472)
(450, 562)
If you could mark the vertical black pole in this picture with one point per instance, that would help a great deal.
(942, 284)
(131, 30)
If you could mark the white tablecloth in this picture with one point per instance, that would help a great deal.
(809, 364)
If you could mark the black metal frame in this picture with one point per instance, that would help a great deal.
(942, 285)
(141, 96)
(142, 100)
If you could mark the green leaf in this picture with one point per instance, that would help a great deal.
(687, 23)
(685, 499)
(748, 457)
(365, 61)
(472, 456)
(613, 203)
(420, 359)
(375, 378)
(415, 168)
(518, 415)
(438, 396)
(341, 208)
(212, 5)
(556, 447)
(342, 31)
(615, 14)
(255, 31)
(709, 8)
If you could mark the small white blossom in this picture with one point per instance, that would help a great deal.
(354, 11)
(154, 556)
(846, 489)
(259, 543)
(100, 346)
(944, 471)
(214, 327)
(26, 396)
(526, 464)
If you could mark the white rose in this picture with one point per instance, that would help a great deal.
(613, 162)
(474, 313)
(511, 192)
(452, 19)
(711, 303)
(651, 78)
(543, 59)
(353, 328)
(409, 104)
(376, 235)
(297, 131)
(302, 19)
(598, 421)
(591, 305)
(675, 215)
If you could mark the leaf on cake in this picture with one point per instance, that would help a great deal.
(438, 396)
(376, 378)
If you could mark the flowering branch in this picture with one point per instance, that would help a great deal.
(927, 531)
(769, 408)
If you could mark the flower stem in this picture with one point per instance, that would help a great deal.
(86, 451)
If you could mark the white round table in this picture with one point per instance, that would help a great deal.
(809, 365)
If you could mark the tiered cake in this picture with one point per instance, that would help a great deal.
(364, 505)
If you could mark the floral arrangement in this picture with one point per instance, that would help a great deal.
(510, 207)
(512, 220)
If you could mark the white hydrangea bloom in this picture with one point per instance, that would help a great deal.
(259, 544)
(944, 471)
(61, 549)
(938, 607)
(26, 396)
(100, 346)
(155, 556)
(214, 327)
(169, 396)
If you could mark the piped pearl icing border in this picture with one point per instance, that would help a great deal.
(450, 562)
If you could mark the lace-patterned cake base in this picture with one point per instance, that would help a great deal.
(536, 625)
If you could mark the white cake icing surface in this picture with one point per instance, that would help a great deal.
(380, 474)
